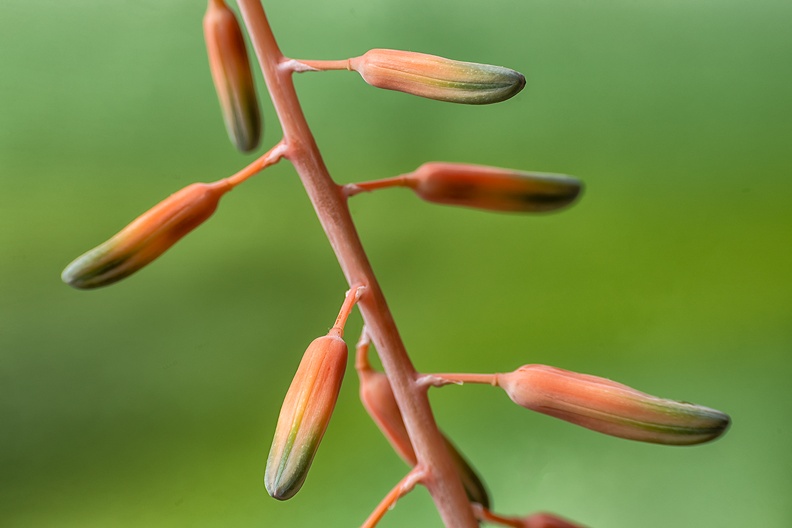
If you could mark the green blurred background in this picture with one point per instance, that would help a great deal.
(152, 403)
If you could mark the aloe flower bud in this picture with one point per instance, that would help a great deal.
(611, 408)
(305, 414)
(146, 238)
(233, 80)
(436, 77)
(378, 399)
(492, 188)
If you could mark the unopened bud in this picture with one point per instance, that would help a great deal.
(233, 80)
(611, 408)
(492, 188)
(378, 399)
(436, 77)
(305, 414)
(146, 238)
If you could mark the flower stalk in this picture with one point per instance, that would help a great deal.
(397, 398)
(377, 397)
(405, 486)
(329, 202)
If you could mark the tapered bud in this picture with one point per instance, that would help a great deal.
(492, 188)
(146, 238)
(378, 399)
(305, 414)
(233, 80)
(611, 408)
(436, 77)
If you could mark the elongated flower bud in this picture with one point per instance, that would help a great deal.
(436, 77)
(305, 414)
(611, 408)
(146, 238)
(378, 399)
(491, 188)
(233, 80)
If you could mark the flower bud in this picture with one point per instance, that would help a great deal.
(378, 399)
(611, 408)
(436, 77)
(146, 238)
(233, 80)
(305, 414)
(491, 188)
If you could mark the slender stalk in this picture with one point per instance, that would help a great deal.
(438, 380)
(352, 297)
(322, 65)
(442, 479)
(401, 489)
(351, 189)
(362, 364)
(271, 157)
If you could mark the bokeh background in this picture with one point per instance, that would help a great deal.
(152, 403)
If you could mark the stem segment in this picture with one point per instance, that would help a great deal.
(352, 297)
(321, 65)
(351, 189)
(401, 489)
(271, 157)
(439, 380)
(441, 477)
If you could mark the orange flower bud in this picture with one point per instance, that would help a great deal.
(305, 414)
(378, 399)
(233, 80)
(146, 238)
(491, 188)
(436, 77)
(611, 408)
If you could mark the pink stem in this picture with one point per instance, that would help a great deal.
(352, 297)
(271, 157)
(323, 65)
(438, 380)
(361, 352)
(442, 479)
(351, 189)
